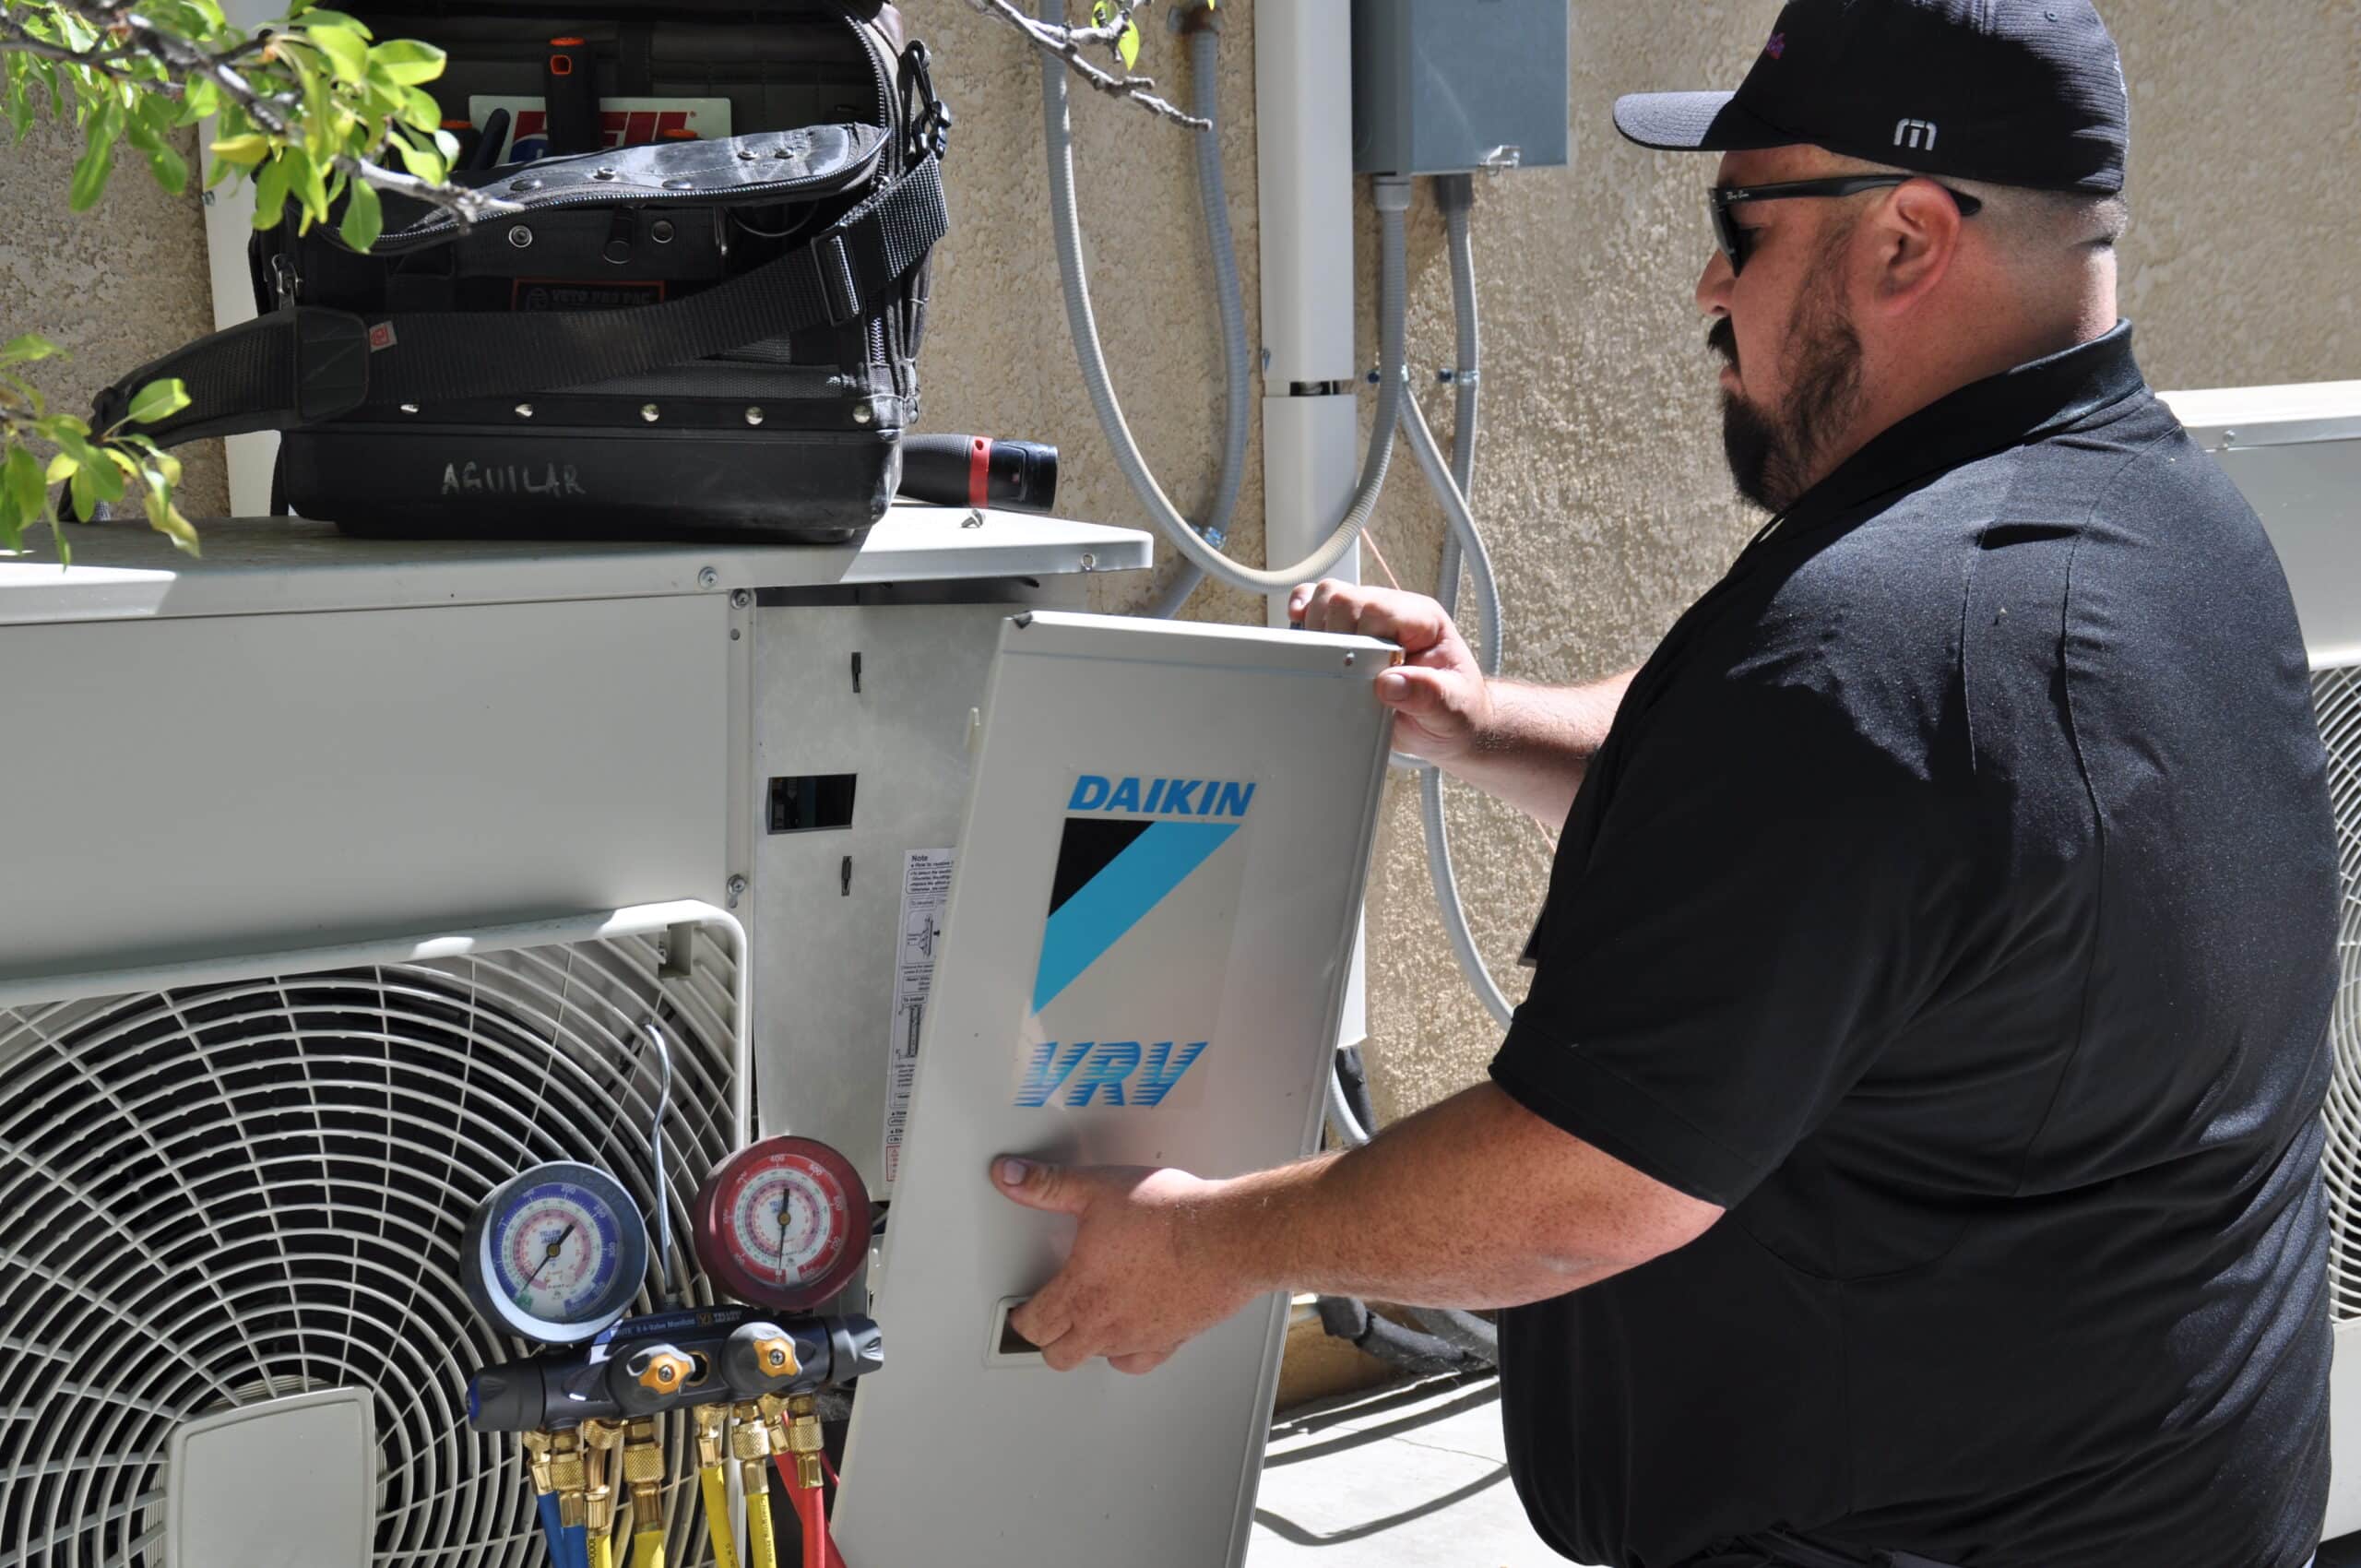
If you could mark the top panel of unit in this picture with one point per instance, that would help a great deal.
(2231, 416)
(261, 565)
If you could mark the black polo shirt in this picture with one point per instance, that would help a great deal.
(1954, 901)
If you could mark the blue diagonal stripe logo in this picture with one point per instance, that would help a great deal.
(1125, 889)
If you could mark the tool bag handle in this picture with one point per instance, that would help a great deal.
(306, 364)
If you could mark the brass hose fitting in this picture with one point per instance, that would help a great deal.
(798, 1424)
(538, 1460)
(644, 1472)
(711, 1422)
(749, 1444)
(569, 1477)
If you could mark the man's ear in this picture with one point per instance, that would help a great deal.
(1915, 241)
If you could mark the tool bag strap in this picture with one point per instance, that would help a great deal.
(306, 364)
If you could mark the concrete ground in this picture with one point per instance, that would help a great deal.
(1393, 1478)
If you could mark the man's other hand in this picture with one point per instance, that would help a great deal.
(1439, 697)
(1143, 1277)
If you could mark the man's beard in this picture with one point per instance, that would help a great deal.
(1773, 459)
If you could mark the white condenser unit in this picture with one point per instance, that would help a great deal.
(345, 880)
(2296, 453)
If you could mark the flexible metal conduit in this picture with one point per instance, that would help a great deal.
(1213, 196)
(1392, 198)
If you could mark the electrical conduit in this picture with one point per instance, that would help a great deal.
(1392, 197)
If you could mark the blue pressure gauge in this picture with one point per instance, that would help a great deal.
(556, 1253)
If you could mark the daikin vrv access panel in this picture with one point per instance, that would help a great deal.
(1143, 956)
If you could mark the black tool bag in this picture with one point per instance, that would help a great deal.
(700, 337)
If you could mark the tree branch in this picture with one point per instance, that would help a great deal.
(1066, 43)
(467, 204)
(14, 40)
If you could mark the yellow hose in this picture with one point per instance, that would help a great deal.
(763, 1552)
(647, 1550)
(603, 1549)
(717, 1516)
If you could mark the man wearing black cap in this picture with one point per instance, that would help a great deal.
(1909, 1152)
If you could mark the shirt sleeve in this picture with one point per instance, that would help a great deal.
(1768, 895)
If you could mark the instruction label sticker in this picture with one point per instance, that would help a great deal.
(926, 891)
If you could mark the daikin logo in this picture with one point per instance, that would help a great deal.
(1160, 797)
(1110, 1074)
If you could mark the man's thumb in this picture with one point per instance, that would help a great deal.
(1036, 1185)
(1415, 689)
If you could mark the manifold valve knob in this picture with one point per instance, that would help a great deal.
(660, 1371)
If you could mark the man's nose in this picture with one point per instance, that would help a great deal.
(1714, 285)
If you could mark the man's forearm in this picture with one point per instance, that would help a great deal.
(1473, 1203)
(1538, 741)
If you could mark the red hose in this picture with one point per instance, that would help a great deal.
(811, 1508)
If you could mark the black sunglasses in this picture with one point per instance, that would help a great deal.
(1733, 240)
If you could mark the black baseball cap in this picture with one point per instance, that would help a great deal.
(2016, 92)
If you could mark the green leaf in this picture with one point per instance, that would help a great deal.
(158, 400)
(270, 190)
(407, 61)
(26, 491)
(308, 181)
(166, 520)
(31, 346)
(97, 160)
(320, 17)
(421, 161)
(199, 97)
(420, 111)
(150, 132)
(102, 479)
(364, 219)
(346, 51)
(244, 151)
(62, 467)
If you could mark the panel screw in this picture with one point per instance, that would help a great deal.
(754, 416)
(1089, 562)
(409, 408)
(1349, 661)
(661, 230)
(746, 155)
(520, 236)
(524, 410)
(736, 886)
(647, 412)
(680, 184)
(742, 598)
(602, 174)
(733, 634)
(707, 576)
(524, 184)
(862, 413)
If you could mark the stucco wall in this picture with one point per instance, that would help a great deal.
(1600, 477)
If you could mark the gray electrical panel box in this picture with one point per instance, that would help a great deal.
(1447, 87)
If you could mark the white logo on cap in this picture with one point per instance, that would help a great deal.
(1915, 133)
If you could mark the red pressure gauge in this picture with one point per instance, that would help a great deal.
(783, 1224)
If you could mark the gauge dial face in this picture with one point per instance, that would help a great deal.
(784, 1223)
(557, 1252)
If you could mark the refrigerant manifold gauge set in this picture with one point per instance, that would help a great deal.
(557, 1255)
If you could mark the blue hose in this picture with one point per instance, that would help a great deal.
(575, 1539)
(549, 1527)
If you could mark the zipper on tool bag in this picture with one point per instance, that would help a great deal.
(836, 182)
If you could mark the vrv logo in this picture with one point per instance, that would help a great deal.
(1916, 132)
(1105, 1077)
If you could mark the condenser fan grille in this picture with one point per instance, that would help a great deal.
(224, 1195)
(2337, 694)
